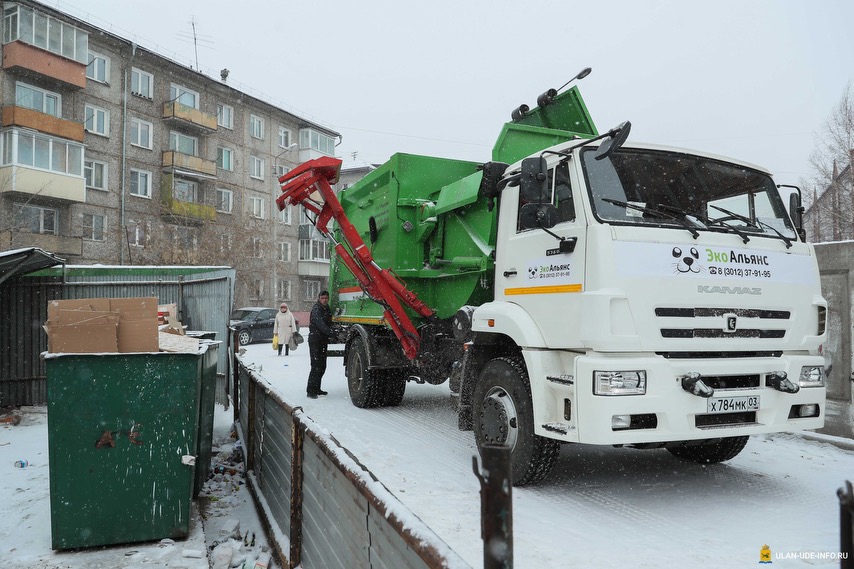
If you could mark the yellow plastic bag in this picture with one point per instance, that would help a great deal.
(276, 342)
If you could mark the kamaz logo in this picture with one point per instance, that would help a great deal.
(728, 290)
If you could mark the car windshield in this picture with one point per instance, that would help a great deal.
(243, 314)
(649, 187)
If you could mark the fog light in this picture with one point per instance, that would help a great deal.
(811, 376)
(619, 382)
(803, 411)
(619, 422)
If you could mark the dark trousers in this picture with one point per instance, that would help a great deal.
(317, 351)
(286, 346)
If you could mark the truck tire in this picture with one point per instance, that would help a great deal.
(393, 387)
(364, 384)
(714, 451)
(244, 337)
(503, 414)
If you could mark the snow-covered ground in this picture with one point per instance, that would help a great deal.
(600, 507)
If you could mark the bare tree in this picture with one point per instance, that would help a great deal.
(828, 189)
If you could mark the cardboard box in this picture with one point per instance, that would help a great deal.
(137, 324)
(164, 311)
(94, 325)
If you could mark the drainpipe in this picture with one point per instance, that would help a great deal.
(123, 237)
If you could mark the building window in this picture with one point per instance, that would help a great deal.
(136, 234)
(98, 68)
(312, 290)
(225, 159)
(96, 174)
(257, 247)
(183, 143)
(38, 29)
(256, 167)
(257, 289)
(224, 243)
(284, 137)
(140, 183)
(256, 207)
(93, 227)
(283, 289)
(225, 200)
(285, 252)
(141, 133)
(34, 219)
(37, 99)
(97, 120)
(184, 96)
(285, 215)
(225, 116)
(313, 250)
(281, 171)
(309, 138)
(141, 83)
(43, 152)
(185, 191)
(256, 126)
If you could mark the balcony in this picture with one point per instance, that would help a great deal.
(58, 244)
(181, 212)
(28, 118)
(26, 59)
(177, 113)
(42, 183)
(178, 161)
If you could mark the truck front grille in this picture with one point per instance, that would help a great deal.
(725, 420)
(760, 323)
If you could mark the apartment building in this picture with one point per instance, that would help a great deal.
(113, 154)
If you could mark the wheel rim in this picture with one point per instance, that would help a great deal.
(244, 338)
(499, 419)
(356, 372)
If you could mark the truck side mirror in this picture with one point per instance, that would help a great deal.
(796, 210)
(533, 184)
(533, 215)
(616, 138)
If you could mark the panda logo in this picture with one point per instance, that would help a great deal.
(532, 272)
(687, 262)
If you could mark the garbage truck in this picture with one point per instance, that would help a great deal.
(576, 288)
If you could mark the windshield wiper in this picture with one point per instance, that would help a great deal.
(681, 219)
(761, 224)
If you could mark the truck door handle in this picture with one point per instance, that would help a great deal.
(510, 273)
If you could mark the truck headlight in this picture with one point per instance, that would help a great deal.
(619, 382)
(811, 376)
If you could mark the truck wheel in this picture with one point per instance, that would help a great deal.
(714, 451)
(364, 384)
(393, 387)
(503, 414)
(244, 337)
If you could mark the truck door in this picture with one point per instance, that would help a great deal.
(531, 269)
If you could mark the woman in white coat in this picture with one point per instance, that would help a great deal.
(284, 327)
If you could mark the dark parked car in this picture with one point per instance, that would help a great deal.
(253, 324)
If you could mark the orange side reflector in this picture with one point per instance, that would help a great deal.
(491, 323)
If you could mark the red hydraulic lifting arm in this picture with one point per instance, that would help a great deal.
(310, 185)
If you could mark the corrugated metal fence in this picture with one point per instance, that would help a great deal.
(324, 509)
(203, 296)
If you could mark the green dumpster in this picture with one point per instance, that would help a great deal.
(122, 436)
(207, 405)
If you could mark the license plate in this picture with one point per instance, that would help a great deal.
(732, 404)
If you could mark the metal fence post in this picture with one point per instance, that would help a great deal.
(846, 528)
(496, 506)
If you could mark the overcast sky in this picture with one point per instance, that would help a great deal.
(751, 79)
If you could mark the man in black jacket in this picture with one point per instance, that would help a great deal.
(320, 333)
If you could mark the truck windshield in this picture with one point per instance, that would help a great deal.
(650, 187)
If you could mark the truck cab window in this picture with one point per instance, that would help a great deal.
(560, 195)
